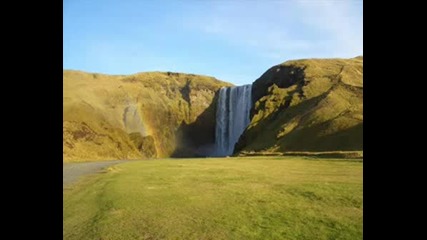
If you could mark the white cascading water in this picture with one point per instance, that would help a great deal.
(232, 117)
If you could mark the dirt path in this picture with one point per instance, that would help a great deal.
(73, 171)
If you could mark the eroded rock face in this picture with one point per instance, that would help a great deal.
(307, 105)
(143, 115)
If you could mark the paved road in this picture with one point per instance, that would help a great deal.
(73, 171)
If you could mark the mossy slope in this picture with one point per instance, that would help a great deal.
(143, 115)
(307, 105)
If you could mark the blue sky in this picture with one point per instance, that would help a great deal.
(235, 41)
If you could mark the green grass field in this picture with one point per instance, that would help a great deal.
(223, 198)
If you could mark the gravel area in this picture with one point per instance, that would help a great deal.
(73, 171)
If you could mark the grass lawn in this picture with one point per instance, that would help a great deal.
(222, 198)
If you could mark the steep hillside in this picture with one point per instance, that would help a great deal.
(144, 115)
(307, 105)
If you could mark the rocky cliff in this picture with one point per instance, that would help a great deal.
(145, 115)
(307, 105)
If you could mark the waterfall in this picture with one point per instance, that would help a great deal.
(232, 117)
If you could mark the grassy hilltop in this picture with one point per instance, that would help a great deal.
(307, 105)
(153, 114)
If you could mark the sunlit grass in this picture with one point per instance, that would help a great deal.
(228, 198)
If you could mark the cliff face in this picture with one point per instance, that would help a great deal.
(307, 105)
(144, 115)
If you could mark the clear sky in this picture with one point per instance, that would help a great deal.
(232, 40)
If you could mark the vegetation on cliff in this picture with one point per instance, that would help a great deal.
(307, 105)
(152, 114)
